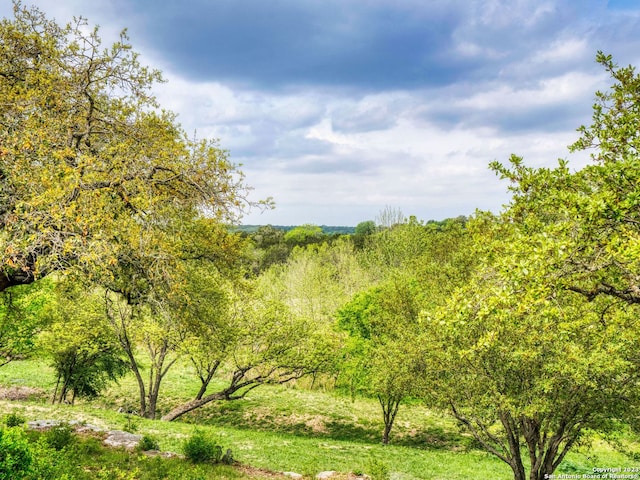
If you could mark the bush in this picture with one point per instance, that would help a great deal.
(147, 442)
(378, 470)
(15, 455)
(200, 449)
(14, 420)
(131, 424)
(60, 436)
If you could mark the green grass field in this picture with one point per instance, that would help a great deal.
(294, 429)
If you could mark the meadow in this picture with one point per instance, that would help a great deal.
(290, 428)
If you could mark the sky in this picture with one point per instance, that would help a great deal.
(340, 109)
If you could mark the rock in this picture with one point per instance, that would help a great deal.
(43, 424)
(292, 474)
(118, 438)
(325, 475)
(81, 427)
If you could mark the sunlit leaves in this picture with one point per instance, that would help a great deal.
(88, 160)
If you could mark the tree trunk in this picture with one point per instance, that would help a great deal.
(136, 372)
(390, 407)
(156, 373)
(141, 389)
(18, 277)
(192, 405)
(236, 385)
(513, 440)
(205, 380)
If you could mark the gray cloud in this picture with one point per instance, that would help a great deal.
(340, 107)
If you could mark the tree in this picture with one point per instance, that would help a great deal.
(389, 216)
(155, 305)
(138, 325)
(380, 354)
(527, 367)
(271, 247)
(304, 235)
(83, 350)
(87, 160)
(411, 267)
(362, 231)
(540, 346)
(365, 228)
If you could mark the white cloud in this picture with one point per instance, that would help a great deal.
(507, 77)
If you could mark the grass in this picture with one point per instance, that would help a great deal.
(284, 428)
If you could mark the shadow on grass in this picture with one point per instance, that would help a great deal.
(247, 416)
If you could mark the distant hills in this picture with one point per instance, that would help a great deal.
(326, 229)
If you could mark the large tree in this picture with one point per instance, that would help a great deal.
(588, 222)
(527, 368)
(88, 161)
(542, 343)
(415, 266)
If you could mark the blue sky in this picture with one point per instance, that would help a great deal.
(339, 108)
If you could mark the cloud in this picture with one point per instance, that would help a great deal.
(256, 44)
(338, 108)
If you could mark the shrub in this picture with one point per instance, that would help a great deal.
(15, 454)
(14, 420)
(147, 442)
(378, 470)
(200, 449)
(130, 424)
(60, 436)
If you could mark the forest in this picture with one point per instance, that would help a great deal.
(123, 266)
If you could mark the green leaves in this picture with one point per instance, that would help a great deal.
(89, 163)
(540, 343)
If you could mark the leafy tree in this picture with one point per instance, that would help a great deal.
(84, 352)
(365, 228)
(88, 163)
(527, 367)
(271, 247)
(541, 344)
(156, 314)
(304, 235)
(21, 318)
(381, 355)
(362, 230)
(411, 267)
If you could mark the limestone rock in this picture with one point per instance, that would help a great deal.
(118, 438)
(292, 474)
(326, 475)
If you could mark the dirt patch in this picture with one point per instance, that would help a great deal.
(19, 393)
(315, 423)
(259, 472)
(312, 423)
